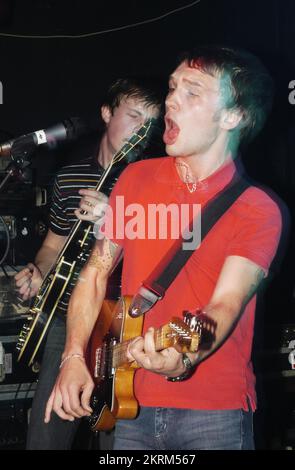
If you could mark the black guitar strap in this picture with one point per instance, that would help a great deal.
(155, 286)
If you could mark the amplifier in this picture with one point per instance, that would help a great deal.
(278, 362)
(20, 238)
(17, 381)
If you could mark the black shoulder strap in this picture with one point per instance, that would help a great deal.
(155, 286)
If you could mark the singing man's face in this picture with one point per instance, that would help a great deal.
(193, 109)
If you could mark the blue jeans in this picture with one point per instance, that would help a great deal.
(182, 429)
(57, 434)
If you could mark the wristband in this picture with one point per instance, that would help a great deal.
(189, 370)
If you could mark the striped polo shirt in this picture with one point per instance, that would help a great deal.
(65, 196)
(65, 199)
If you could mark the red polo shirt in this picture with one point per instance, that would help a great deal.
(251, 228)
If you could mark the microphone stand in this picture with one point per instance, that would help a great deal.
(16, 168)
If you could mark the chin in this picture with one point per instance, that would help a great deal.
(171, 150)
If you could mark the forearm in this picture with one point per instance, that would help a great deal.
(45, 258)
(88, 296)
(83, 310)
(238, 282)
(49, 251)
(222, 318)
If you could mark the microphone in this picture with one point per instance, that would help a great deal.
(66, 131)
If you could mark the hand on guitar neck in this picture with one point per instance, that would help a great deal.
(28, 281)
(92, 205)
(167, 362)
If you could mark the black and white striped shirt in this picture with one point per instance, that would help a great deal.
(65, 196)
(65, 199)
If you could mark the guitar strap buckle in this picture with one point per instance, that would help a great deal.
(142, 302)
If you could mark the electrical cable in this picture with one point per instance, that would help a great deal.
(8, 241)
(105, 31)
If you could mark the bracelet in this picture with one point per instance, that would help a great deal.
(79, 356)
(189, 370)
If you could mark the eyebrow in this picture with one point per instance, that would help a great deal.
(188, 81)
(134, 110)
(193, 82)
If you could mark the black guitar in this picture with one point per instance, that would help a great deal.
(57, 286)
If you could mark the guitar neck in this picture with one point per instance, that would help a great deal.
(106, 183)
(82, 231)
(119, 356)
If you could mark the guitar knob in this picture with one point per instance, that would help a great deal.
(36, 367)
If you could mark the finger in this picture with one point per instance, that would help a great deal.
(136, 352)
(22, 275)
(94, 197)
(26, 281)
(88, 192)
(85, 398)
(135, 345)
(31, 267)
(25, 288)
(48, 408)
(86, 205)
(56, 405)
(149, 341)
(87, 216)
(74, 406)
(33, 291)
(22, 282)
(99, 210)
(60, 412)
(67, 401)
(26, 295)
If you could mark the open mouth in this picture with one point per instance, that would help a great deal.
(171, 132)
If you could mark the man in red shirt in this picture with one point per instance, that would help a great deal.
(218, 97)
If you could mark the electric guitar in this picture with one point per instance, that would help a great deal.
(57, 286)
(113, 397)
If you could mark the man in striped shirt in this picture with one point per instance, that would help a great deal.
(128, 104)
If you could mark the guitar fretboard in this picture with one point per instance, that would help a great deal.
(119, 351)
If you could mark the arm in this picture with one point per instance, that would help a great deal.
(29, 279)
(71, 394)
(237, 283)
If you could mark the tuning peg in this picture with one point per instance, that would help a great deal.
(193, 320)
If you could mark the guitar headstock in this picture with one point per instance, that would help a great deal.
(200, 322)
(179, 335)
(136, 143)
(186, 335)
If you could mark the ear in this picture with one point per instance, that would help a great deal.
(230, 119)
(106, 113)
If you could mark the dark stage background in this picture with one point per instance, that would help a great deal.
(45, 80)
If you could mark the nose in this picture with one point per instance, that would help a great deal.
(172, 101)
(138, 125)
